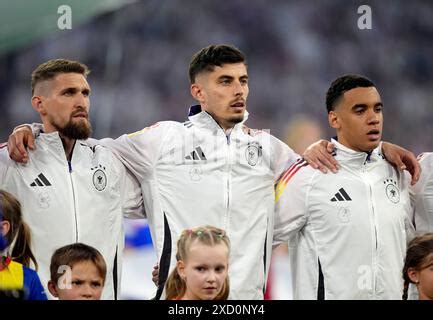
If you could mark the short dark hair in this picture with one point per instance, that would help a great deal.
(343, 84)
(72, 254)
(51, 68)
(214, 55)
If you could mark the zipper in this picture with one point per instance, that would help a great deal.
(73, 199)
(228, 180)
(375, 243)
(375, 237)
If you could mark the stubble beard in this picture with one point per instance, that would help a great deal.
(237, 119)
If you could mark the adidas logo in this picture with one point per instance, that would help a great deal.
(40, 181)
(196, 154)
(341, 195)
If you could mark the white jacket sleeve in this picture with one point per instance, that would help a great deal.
(4, 165)
(291, 207)
(139, 151)
(422, 196)
(282, 157)
(130, 193)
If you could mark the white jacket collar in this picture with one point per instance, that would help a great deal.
(53, 141)
(356, 158)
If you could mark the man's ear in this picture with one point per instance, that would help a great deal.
(333, 120)
(38, 105)
(52, 288)
(197, 92)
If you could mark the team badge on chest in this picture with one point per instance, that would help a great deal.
(392, 191)
(195, 173)
(44, 200)
(253, 153)
(99, 178)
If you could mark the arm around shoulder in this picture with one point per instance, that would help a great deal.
(139, 151)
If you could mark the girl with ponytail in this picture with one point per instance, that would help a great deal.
(201, 271)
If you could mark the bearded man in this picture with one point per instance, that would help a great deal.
(70, 191)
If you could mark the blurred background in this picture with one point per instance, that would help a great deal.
(139, 53)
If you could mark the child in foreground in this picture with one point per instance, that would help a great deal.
(77, 273)
(201, 271)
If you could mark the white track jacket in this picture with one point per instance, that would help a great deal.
(348, 231)
(79, 201)
(193, 174)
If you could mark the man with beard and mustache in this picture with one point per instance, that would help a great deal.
(70, 191)
(209, 170)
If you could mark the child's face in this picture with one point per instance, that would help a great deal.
(85, 283)
(205, 271)
(4, 227)
(425, 285)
